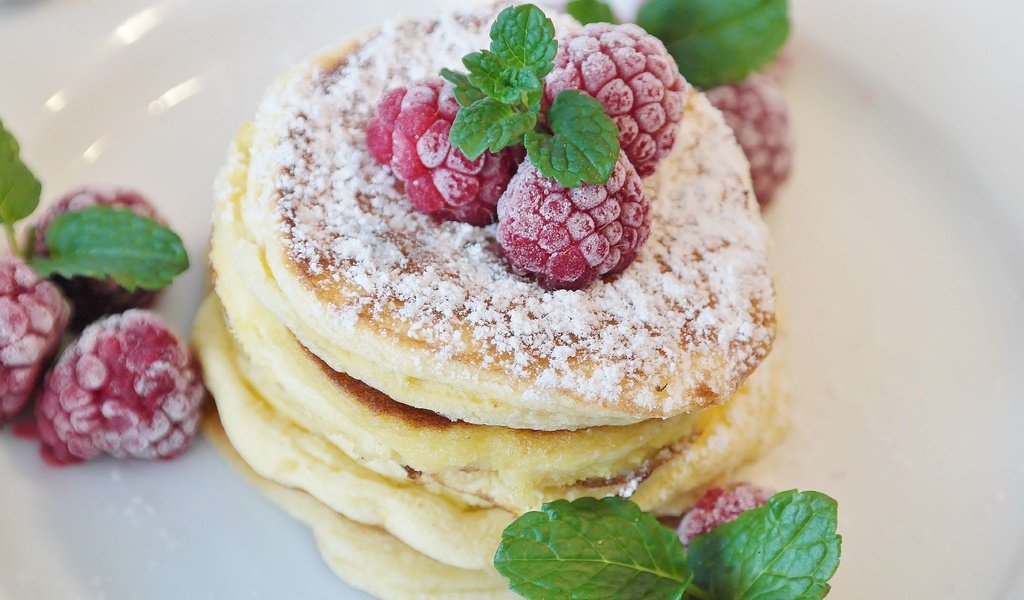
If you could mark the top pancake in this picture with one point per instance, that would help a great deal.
(427, 312)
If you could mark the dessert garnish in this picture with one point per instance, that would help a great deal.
(756, 111)
(33, 315)
(501, 97)
(632, 75)
(727, 48)
(91, 297)
(410, 133)
(567, 238)
(610, 548)
(129, 387)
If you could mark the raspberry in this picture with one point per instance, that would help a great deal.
(756, 110)
(129, 387)
(409, 132)
(33, 316)
(636, 80)
(717, 506)
(94, 298)
(567, 238)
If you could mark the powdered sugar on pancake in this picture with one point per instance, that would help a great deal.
(698, 295)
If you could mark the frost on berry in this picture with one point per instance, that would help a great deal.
(410, 133)
(634, 78)
(33, 316)
(567, 238)
(129, 387)
(720, 505)
(757, 112)
(94, 298)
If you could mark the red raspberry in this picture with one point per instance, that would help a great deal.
(129, 387)
(717, 506)
(33, 316)
(94, 298)
(409, 132)
(756, 110)
(636, 80)
(567, 238)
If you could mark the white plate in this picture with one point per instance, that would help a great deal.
(899, 252)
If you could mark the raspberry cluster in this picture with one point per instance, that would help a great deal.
(563, 238)
(127, 387)
(719, 505)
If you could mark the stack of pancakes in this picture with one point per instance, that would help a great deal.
(386, 379)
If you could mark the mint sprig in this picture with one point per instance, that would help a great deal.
(100, 242)
(19, 188)
(585, 144)
(489, 125)
(591, 548)
(609, 548)
(787, 548)
(716, 42)
(590, 11)
(500, 96)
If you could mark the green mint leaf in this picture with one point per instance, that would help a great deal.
(590, 11)
(19, 188)
(494, 78)
(718, 41)
(787, 548)
(590, 548)
(98, 242)
(585, 144)
(523, 36)
(489, 125)
(465, 92)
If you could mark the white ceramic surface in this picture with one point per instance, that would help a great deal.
(899, 248)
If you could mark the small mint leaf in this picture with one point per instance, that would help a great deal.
(718, 41)
(787, 548)
(19, 188)
(585, 144)
(465, 92)
(591, 548)
(523, 36)
(99, 242)
(489, 125)
(492, 77)
(590, 11)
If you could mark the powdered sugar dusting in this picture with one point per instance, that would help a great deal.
(696, 297)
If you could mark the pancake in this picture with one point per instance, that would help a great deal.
(428, 314)
(368, 558)
(391, 437)
(428, 517)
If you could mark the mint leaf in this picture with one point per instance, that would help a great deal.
(465, 92)
(591, 548)
(786, 549)
(98, 242)
(590, 11)
(489, 125)
(718, 41)
(19, 188)
(585, 144)
(523, 36)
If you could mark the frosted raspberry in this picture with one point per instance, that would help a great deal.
(33, 316)
(129, 387)
(636, 80)
(720, 505)
(756, 110)
(567, 238)
(409, 132)
(94, 298)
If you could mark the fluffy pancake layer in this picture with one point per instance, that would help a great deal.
(427, 313)
(427, 515)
